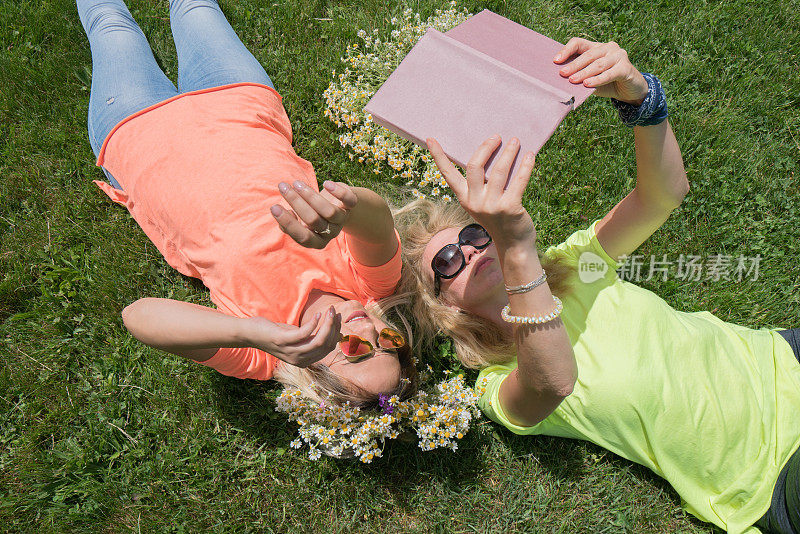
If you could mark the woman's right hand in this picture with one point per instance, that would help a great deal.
(316, 217)
(296, 345)
(494, 201)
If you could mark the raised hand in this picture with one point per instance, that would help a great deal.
(494, 201)
(315, 218)
(604, 66)
(297, 345)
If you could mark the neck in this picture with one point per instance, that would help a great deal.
(318, 301)
(491, 307)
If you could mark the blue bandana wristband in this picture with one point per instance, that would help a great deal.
(652, 110)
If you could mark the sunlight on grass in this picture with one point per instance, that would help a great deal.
(99, 433)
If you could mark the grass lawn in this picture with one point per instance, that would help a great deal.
(99, 433)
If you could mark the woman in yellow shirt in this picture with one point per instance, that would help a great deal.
(712, 407)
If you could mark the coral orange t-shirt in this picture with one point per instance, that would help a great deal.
(199, 172)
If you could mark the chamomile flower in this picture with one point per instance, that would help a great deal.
(367, 65)
(439, 417)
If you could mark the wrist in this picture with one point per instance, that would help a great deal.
(370, 219)
(644, 90)
(638, 102)
(518, 242)
(651, 110)
(248, 331)
(520, 256)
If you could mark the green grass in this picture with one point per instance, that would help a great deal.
(99, 433)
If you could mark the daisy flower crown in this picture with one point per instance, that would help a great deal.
(438, 417)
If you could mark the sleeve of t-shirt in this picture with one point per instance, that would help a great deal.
(244, 362)
(488, 388)
(582, 248)
(379, 281)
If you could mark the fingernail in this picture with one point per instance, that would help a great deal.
(330, 186)
(529, 157)
(557, 58)
(276, 210)
(282, 187)
(299, 185)
(514, 141)
(331, 312)
(495, 137)
(317, 316)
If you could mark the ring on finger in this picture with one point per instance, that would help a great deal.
(326, 231)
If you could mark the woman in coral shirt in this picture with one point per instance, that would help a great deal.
(209, 173)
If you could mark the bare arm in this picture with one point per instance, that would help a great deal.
(661, 182)
(546, 370)
(370, 229)
(661, 185)
(183, 328)
(198, 332)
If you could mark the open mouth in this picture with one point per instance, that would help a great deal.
(356, 316)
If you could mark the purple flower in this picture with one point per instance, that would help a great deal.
(383, 401)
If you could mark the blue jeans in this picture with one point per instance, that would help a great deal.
(125, 75)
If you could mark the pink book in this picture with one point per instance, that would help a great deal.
(487, 75)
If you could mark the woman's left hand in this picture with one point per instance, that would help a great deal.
(493, 200)
(604, 66)
(316, 217)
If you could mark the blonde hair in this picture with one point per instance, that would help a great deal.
(318, 384)
(478, 342)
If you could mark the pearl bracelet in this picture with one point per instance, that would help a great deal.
(507, 317)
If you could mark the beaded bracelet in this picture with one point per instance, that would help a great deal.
(524, 288)
(652, 110)
(507, 317)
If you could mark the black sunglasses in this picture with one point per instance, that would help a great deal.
(450, 260)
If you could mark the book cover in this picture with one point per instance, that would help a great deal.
(518, 47)
(461, 89)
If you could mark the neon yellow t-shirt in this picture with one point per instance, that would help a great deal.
(711, 406)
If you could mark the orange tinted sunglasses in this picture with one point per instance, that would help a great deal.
(356, 348)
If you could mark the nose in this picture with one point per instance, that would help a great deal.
(469, 251)
(365, 329)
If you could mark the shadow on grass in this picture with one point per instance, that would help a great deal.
(570, 459)
(561, 458)
(248, 405)
(404, 470)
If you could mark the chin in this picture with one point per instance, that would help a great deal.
(479, 293)
(487, 280)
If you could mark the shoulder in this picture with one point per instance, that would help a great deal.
(582, 247)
